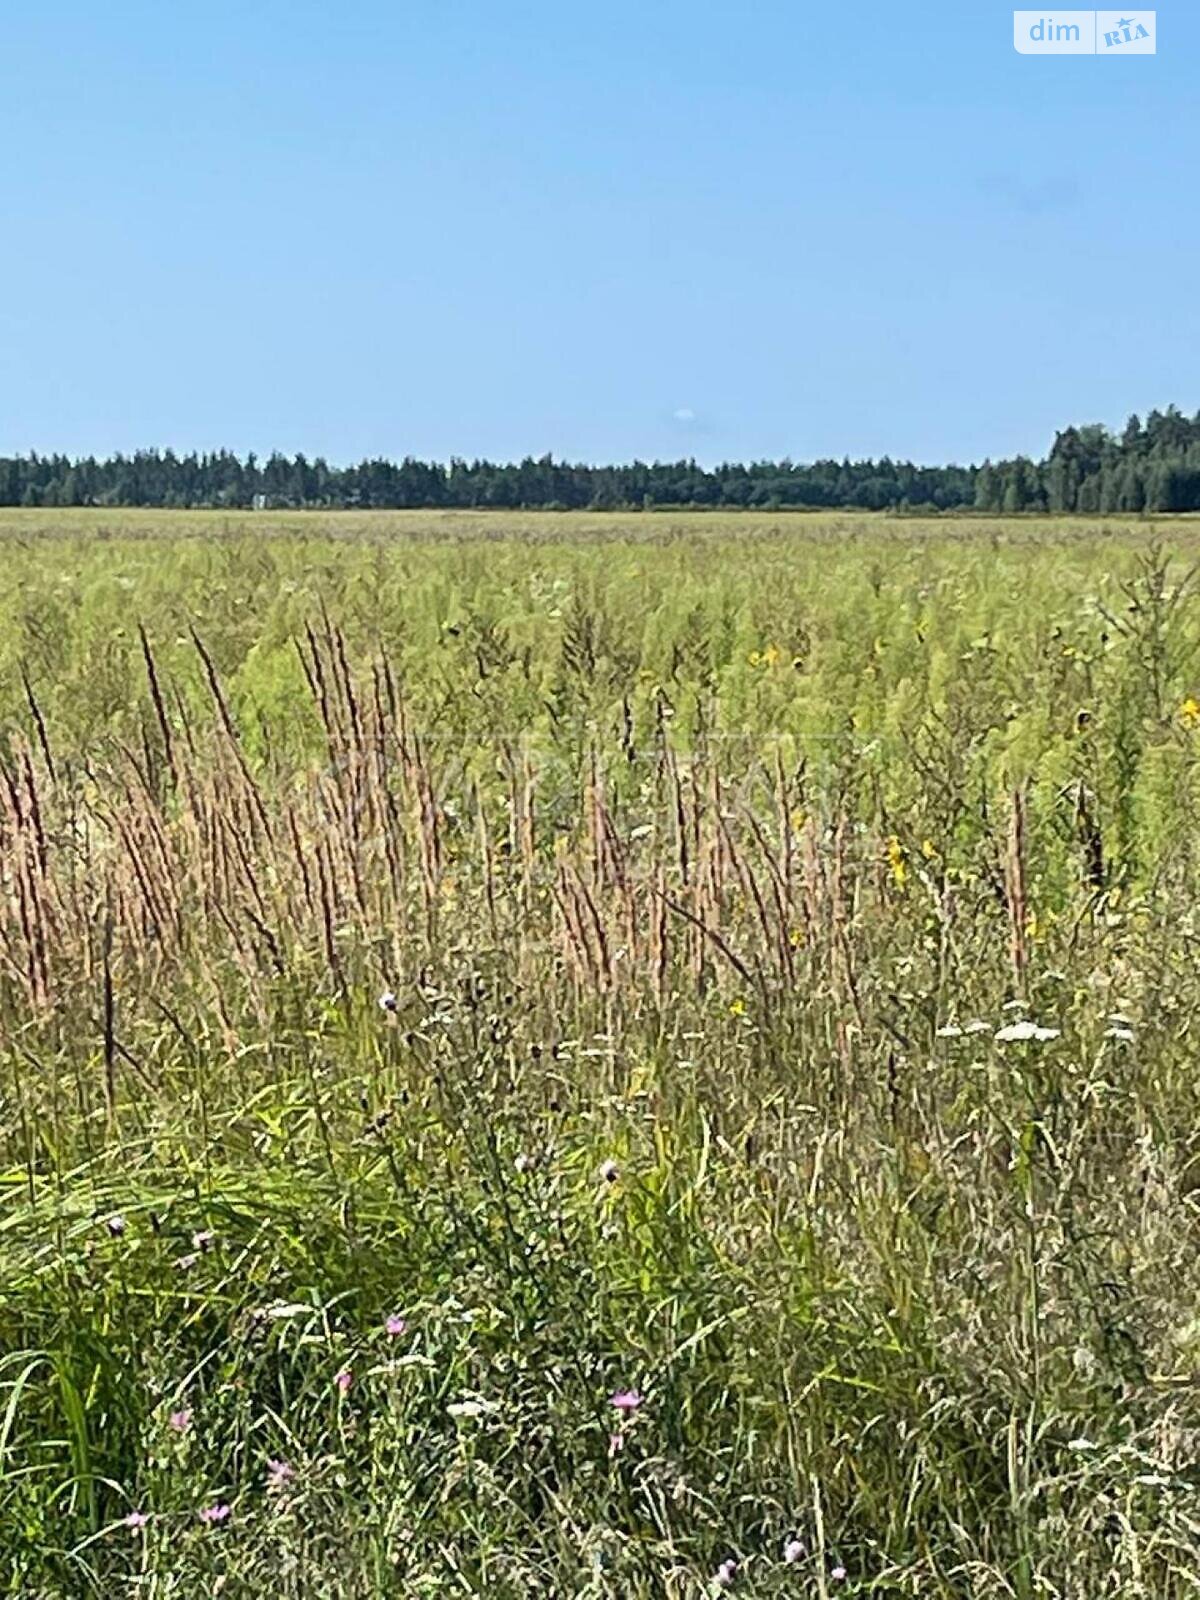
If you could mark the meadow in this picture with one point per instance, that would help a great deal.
(595, 1055)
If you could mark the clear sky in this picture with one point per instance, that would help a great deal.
(628, 229)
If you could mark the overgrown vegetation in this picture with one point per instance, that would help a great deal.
(616, 1067)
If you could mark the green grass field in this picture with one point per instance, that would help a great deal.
(457, 970)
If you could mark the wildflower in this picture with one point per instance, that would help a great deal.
(469, 1408)
(394, 1326)
(838, 1574)
(929, 849)
(726, 1574)
(896, 861)
(279, 1474)
(388, 1001)
(616, 1443)
(187, 1262)
(793, 1551)
(344, 1379)
(737, 1008)
(1084, 1362)
(216, 1513)
(116, 1224)
(136, 1520)
(626, 1401)
(1189, 711)
(281, 1311)
(609, 1170)
(1080, 1445)
(180, 1421)
(1021, 1032)
(203, 1240)
(523, 1162)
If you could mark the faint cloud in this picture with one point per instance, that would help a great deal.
(684, 414)
(1033, 196)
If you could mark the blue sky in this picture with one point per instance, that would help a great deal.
(649, 229)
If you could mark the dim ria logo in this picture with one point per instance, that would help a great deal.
(1084, 33)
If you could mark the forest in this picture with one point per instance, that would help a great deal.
(1151, 466)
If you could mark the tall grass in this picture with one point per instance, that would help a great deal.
(447, 984)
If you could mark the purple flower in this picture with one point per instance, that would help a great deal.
(838, 1574)
(180, 1421)
(395, 1326)
(726, 1574)
(626, 1401)
(216, 1513)
(186, 1263)
(136, 1520)
(793, 1551)
(344, 1379)
(279, 1474)
(203, 1240)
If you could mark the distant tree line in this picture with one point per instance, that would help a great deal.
(1153, 466)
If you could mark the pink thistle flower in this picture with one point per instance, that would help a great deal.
(180, 1421)
(838, 1574)
(395, 1326)
(279, 1474)
(136, 1520)
(726, 1574)
(626, 1401)
(344, 1379)
(793, 1551)
(216, 1513)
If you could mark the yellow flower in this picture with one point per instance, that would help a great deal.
(771, 655)
(895, 855)
(929, 849)
(737, 1008)
(796, 938)
(1190, 711)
